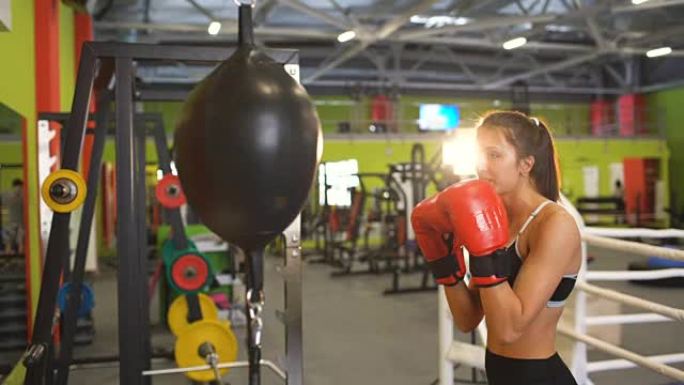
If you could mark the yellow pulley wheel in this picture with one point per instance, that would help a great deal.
(64, 190)
(201, 337)
(177, 316)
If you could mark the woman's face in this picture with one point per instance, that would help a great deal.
(497, 160)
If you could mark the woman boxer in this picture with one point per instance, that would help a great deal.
(524, 250)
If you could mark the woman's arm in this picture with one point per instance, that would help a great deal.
(510, 311)
(464, 303)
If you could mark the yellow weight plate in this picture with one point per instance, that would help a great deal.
(74, 190)
(177, 316)
(218, 334)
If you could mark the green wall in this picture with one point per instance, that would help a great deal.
(574, 154)
(669, 104)
(18, 92)
(17, 83)
(67, 65)
(10, 153)
(170, 112)
(569, 122)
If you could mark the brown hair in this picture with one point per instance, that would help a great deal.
(530, 137)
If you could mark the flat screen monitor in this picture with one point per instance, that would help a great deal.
(438, 117)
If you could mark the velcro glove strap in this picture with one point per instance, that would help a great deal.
(446, 270)
(492, 269)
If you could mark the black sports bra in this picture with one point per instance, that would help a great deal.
(567, 283)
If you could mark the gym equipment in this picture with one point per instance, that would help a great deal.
(657, 263)
(206, 342)
(169, 192)
(187, 270)
(177, 316)
(190, 272)
(663, 263)
(105, 60)
(64, 190)
(86, 303)
(411, 180)
(383, 214)
(611, 210)
(247, 144)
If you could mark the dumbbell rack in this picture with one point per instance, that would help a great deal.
(99, 61)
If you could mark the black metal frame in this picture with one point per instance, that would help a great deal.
(146, 125)
(134, 348)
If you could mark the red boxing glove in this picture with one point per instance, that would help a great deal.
(430, 224)
(478, 216)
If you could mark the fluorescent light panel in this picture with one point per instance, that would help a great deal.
(214, 28)
(662, 51)
(515, 43)
(346, 36)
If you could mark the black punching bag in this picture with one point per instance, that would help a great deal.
(247, 144)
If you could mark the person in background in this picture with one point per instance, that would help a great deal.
(13, 201)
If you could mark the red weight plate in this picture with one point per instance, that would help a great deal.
(190, 272)
(169, 192)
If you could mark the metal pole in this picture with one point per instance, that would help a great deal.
(74, 299)
(445, 338)
(294, 356)
(128, 250)
(58, 242)
(140, 175)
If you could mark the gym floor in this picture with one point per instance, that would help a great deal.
(355, 335)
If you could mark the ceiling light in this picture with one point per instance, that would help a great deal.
(439, 21)
(418, 19)
(662, 51)
(515, 43)
(346, 36)
(214, 28)
(637, 2)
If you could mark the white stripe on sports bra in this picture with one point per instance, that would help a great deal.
(527, 222)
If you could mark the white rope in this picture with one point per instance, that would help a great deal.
(600, 366)
(674, 313)
(605, 275)
(621, 319)
(625, 354)
(633, 247)
(613, 232)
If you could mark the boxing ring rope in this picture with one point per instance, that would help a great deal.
(633, 275)
(667, 311)
(599, 366)
(624, 353)
(632, 247)
(612, 232)
(473, 355)
(622, 319)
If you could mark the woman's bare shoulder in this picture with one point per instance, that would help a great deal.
(555, 222)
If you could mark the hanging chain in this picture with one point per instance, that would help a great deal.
(255, 310)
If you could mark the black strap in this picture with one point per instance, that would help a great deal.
(194, 309)
(444, 267)
(497, 263)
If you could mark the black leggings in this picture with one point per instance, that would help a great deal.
(522, 371)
